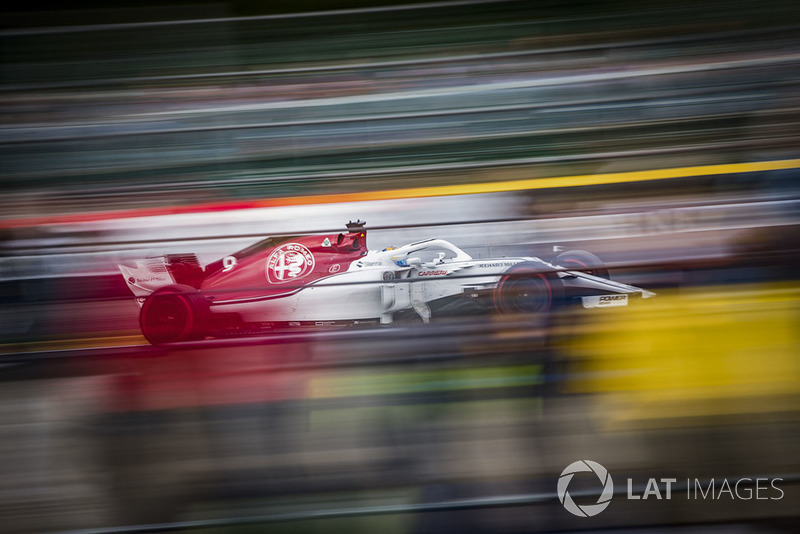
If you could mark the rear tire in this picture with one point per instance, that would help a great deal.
(173, 314)
(527, 289)
(585, 262)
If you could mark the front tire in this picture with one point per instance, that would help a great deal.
(585, 262)
(526, 289)
(173, 314)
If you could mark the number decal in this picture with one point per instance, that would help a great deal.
(228, 263)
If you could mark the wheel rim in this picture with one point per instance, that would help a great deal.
(529, 294)
(166, 319)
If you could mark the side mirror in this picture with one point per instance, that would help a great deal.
(414, 262)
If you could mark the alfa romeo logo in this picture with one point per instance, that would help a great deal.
(603, 501)
(288, 262)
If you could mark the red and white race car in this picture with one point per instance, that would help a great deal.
(315, 280)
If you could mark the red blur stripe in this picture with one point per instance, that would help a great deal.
(415, 192)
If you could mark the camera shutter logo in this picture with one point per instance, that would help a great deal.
(587, 510)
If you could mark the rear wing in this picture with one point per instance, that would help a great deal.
(147, 275)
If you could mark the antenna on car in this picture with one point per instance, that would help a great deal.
(355, 226)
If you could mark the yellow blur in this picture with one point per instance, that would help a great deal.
(697, 353)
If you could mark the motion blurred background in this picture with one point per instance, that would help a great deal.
(661, 136)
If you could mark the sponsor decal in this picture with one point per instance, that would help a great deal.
(326, 243)
(288, 262)
(362, 263)
(131, 280)
(605, 301)
(432, 273)
(335, 268)
(498, 264)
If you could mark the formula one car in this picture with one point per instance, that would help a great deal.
(317, 280)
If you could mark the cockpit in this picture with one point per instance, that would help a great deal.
(428, 253)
